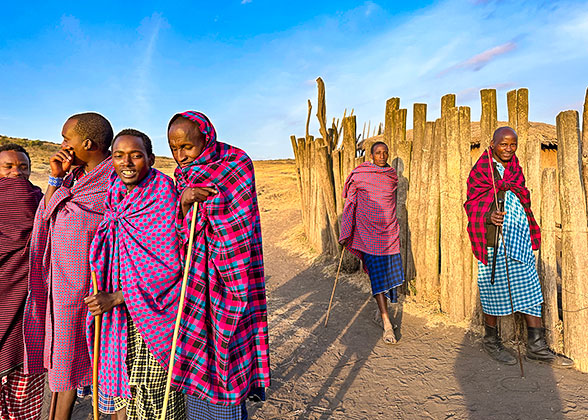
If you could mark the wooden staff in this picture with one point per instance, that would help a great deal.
(180, 309)
(335, 285)
(95, 365)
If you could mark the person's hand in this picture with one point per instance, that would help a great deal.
(60, 163)
(497, 217)
(103, 302)
(193, 195)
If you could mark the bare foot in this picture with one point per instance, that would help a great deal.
(389, 337)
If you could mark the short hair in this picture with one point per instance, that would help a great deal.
(500, 130)
(93, 126)
(136, 133)
(377, 144)
(15, 147)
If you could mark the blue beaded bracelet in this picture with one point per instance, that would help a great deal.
(55, 181)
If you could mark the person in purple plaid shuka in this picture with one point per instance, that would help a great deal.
(223, 350)
(370, 231)
(498, 175)
(136, 257)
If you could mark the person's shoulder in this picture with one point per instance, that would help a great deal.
(162, 178)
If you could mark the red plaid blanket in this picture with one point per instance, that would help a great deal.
(59, 279)
(480, 196)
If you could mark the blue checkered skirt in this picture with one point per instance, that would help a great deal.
(203, 410)
(386, 274)
(524, 281)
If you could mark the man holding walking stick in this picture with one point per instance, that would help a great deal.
(136, 257)
(223, 352)
(515, 286)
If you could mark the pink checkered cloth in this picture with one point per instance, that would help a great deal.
(136, 249)
(59, 280)
(369, 222)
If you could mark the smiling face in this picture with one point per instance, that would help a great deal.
(380, 155)
(14, 164)
(504, 145)
(131, 161)
(185, 141)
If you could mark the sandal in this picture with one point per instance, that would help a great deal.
(389, 337)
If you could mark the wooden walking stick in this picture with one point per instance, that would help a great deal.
(172, 357)
(53, 406)
(95, 365)
(334, 285)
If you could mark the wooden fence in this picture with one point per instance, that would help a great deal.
(433, 162)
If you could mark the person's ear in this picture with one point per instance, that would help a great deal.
(151, 160)
(87, 144)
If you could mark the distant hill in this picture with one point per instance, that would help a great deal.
(40, 152)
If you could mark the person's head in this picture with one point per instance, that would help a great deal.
(15, 162)
(186, 136)
(379, 153)
(85, 135)
(504, 144)
(132, 156)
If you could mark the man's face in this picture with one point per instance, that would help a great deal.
(130, 160)
(380, 155)
(505, 146)
(74, 143)
(185, 141)
(14, 164)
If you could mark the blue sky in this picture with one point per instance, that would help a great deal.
(251, 65)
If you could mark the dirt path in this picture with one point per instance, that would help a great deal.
(346, 372)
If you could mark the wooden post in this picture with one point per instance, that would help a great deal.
(452, 283)
(415, 228)
(488, 118)
(337, 180)
(447, 101)
(585, 146)
(349, 148)
(549, 275)
(465, 142)
(392, 105)
(297, 160)
(328, 190)
(432, 247)
(574, 260)
(511, 103)
(321, 112)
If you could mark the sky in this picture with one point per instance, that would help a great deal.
(251, 65)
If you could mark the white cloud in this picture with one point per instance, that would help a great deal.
(246, 1)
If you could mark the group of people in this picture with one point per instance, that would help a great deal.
(507, 279)
(108, 214)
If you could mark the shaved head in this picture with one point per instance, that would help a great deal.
(501, 132)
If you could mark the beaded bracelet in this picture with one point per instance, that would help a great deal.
(55, 181)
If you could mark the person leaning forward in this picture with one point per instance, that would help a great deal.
(223, 351)
(370, 231)
(21, 395)
(498, 171)
(59, 279)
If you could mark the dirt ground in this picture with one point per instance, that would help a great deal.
(344, 371)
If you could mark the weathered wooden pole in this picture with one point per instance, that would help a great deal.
(447, 101)
(321, 112)
(548, 258)
(349, 149)
(511, 104)
(415, 228)
(489, 116)
(392, 105)
(328, 190)
(297, 160)
(337, 180)
(574, 260)
(452, 282)
(465, 142)
(436, 132)
(585, 146)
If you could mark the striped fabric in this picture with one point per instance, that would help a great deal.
(203, 410)
(105, 402)
(21, 396)
(369, 222)
(386, 274)
(18, 203)
(55, 313)
(480, 195)
(223, 348)
(136, 250)
(148, 381)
